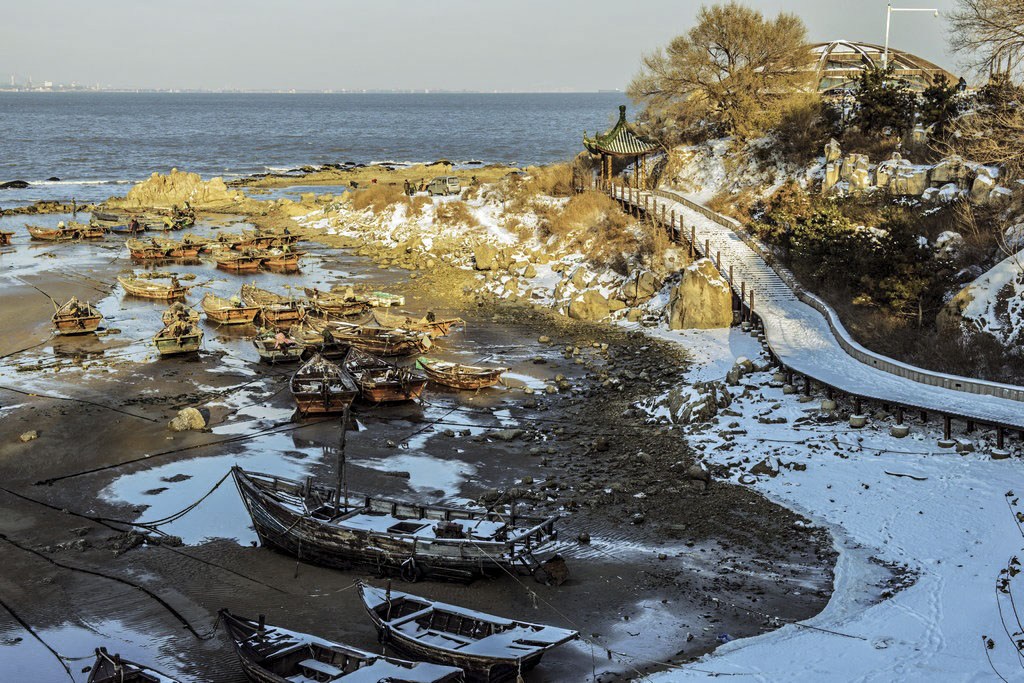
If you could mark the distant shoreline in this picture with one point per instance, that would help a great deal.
(144, 91)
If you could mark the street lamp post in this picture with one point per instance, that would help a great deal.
(888, 19)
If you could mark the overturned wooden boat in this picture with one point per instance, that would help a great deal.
(275, 309)
(228, 311)
(459, 376)
(428, 323)
(272, 654)
(110, 668)
(391, 537)
(238, 263)
(378, 340)
(488, 648)
(76, 317)
(321, 387)
(340, 304)
(381, 381)
(150, 288)
(278, 347)
(178, 338)
(179, 311)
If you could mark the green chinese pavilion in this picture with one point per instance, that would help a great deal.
(620, 144)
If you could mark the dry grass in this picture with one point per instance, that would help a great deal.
(378, 197)
(455, 213)
(554, 180)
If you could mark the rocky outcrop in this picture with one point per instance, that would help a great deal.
(701, 300)
(176, 188)
(993, 304)
(640, 286)
(483, 256)
(589, 305)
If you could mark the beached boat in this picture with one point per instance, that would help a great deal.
(180, 337)
(58, 234)
(76, 317)
(322, 387)
(150, 288)
(270, 654)
(391, 537)
(428, 323)
(274, 308)
(278, 347)
(315, 341)
(146, 250)
(488, 648)
(459, 376)
(5, 238)
(108, 217)
(377, 340)
(337, 304)
(383, 382)
(385, 300)
(179, 311)
(238, 263)
(281, 260)
(227, 311)
(110, 668)
(88, 232)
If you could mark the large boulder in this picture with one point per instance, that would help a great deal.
(176, 188)
(640, 286)
(833, 151)
(188, 419)
(909, 180)
(831, 176)
(589, 305)
(854, 162)
(483, 256)
(702, 299)
(860, 181)
(950, 170)
(982, 187)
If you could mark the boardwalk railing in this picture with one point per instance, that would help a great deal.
(676, 228)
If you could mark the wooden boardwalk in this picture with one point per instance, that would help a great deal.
(804, 334)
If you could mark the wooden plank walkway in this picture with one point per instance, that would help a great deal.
(806, 336)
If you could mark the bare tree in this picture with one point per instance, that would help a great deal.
(725, 73)
(989, 35)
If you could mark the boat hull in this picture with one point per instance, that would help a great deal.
(239, 315)
(391, 392)
(72, 326)
(176, 346)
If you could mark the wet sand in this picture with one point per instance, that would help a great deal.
(666, 560)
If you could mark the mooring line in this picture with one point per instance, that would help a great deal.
(163, 603)
(31, 632)
(78, 400)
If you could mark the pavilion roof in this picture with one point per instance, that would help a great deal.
(620, 140)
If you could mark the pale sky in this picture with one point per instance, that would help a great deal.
(507, 45)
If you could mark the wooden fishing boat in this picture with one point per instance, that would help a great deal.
(110, 668)
(108, 217)
(59, 234)
(146, 250)
(459, 376)
(274, 349)
(180, 337)
(5, 238)
(489, 649)
(315, 341)
(339, 305)
(227, 312)
(88, 232)
(149, 288)
(321, 387)
(428, 324)
(253, 241)
(377, 340)
(270, 654)
(391, 537)
(238, 263)
(179, 311)
(75, 317)
(383, 382)
(274, 309)
(282, 260)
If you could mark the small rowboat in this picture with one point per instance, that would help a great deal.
(108, 217)
(150, 289)
(88, 232)
(274, 350)
(282, 260)
(75, 317)
(393, 537)
(112, 669)
(179, 311)
(269, 654)
(331, 304)
(250, 241)
(146, 251)
(488, 648)
(61, 234)
(383, 382)
(5, 238)
(274, 308)
(377, 340)
(227, 312)
(321, 387)
(459, 376)
(238, 263)
(315, 341)
(178, 338)
(428, 324)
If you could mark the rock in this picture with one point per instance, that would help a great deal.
(187, 419)
(178, 187)
(949, 244)
(964, 446)
(506, 434)
(764, 468)
(30, 435)
(590, 305)
(634, 315)
(530, 271)
(981, 188)
(909, 181)
(543, 339)
(833, 151)
(699, 473)
(640, 286)
(702, 300)
(858, 421)
(854, 162)
(484, 255)
(583, 538)
(14, 185)
(860, 181)
(616, 305)
(950, 170)
(831, 177)
(827, 405)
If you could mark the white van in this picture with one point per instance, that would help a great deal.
(444, 185)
